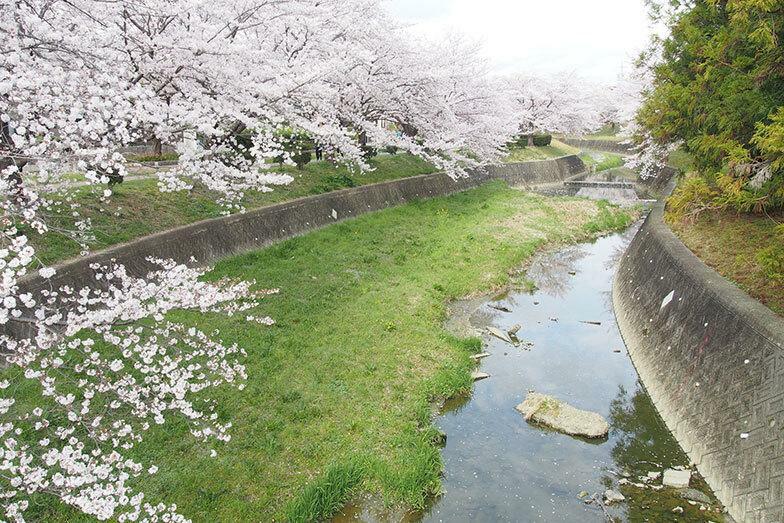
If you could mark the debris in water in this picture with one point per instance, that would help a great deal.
(536, 303)
(616, 350)
(554, 413)
(591, 322)
(480, 356)
(476, 375)
(572, 273)
(515, 328)
(500, 308)
(498, 334)
(553, 319)
(582, 494)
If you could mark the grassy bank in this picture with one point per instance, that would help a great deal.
(137, 208)
(340, 393)
(746, 249)
(601, 161)
(526, 154)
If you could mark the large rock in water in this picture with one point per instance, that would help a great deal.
(562, 417)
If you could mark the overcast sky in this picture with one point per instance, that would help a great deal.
(596, 39)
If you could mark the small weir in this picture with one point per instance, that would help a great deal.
(498, 467)
(618, 192)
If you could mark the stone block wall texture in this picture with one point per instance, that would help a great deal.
(210, 240)
(712, 359)
(598, 145)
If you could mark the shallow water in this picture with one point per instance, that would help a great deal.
(498, 467)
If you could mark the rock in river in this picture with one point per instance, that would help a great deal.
(477, 376)
(695, 495)
(676, 478)
(613, 496)
(562, 417)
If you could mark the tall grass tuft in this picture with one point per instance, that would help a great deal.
(325, 496)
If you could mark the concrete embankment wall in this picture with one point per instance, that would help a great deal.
(712, 359)
(598, 145)
(210, 240)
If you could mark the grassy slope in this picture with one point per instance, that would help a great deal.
(526, 154)
(730, 244)
(601, 161)
(340, 390)
(138, 208)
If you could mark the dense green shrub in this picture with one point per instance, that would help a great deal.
(301, 158)
(391, 149)
(692, 197)
(542, 140)
(368, 151)
(718, 87)
(333, 182)
(297, 145)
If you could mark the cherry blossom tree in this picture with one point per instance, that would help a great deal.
(561, 103)
(80, 79)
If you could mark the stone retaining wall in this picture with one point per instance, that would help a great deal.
(712, 359)
(598, 145)
(210, 240)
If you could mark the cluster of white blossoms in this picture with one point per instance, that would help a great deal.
(650, 156)
(107, 366)
(560, 103)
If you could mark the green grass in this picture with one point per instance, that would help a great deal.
(149, 157)
(681, 160)
(746, 249)
(329, 493)
(608, 132)
(341, 391)
(601, 161)
(608, 217)
(137, 208)
(526, 154)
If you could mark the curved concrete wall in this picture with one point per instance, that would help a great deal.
(712, 359)
(210, 240)
(598, 145)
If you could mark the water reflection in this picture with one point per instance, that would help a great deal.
(551, 274)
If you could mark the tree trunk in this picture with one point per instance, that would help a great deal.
(157, 147)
